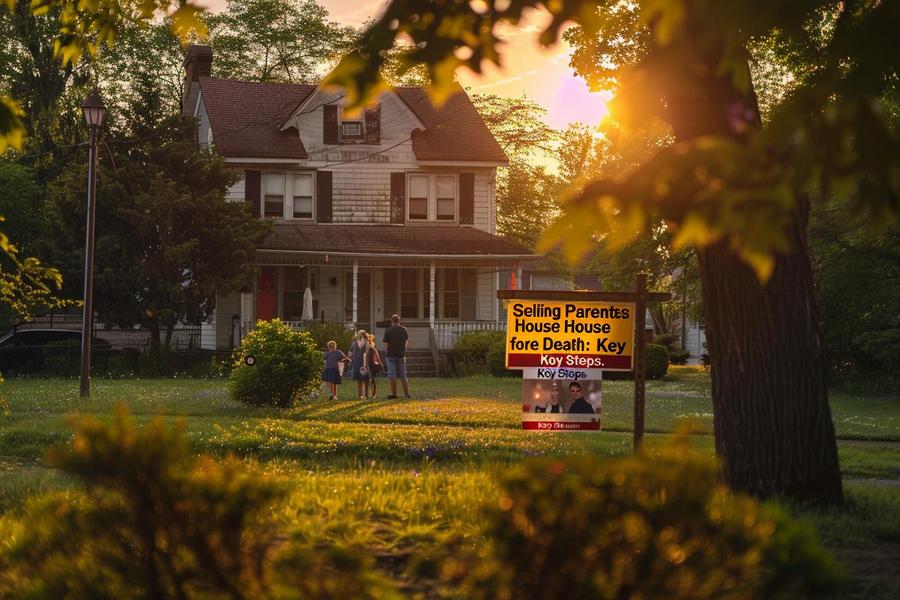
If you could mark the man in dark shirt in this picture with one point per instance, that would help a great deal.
(579, 406)
(396, 338)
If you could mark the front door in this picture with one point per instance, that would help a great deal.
(266, 300)
(363, 300)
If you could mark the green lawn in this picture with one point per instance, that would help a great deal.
(397, 476)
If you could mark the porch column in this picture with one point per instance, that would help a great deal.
(431, 294)
(496, 302)
(355, 291)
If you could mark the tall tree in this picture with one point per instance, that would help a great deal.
(735, 189)
(168, 243)
(526, 192)
(276, 40)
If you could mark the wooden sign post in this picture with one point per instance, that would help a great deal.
(639, 297)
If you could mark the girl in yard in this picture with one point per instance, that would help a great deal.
(375, 365)
(359, 362)
(332, 373)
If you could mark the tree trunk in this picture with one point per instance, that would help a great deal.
(773, 424)
(772, 420)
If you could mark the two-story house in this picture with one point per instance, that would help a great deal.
(387, 210)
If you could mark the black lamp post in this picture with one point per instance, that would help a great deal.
(94, 114)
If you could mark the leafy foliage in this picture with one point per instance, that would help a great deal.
(286, 365)
(656, 361)
(471, 349)
(663, 58)
(157, 521)
(168, 242)
(275, 40)
(586, 527)
(80, 30)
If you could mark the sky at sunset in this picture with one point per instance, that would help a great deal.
(543, 75)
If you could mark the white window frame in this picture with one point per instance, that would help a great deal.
(312, 195)
(431, 200)
(287, 212)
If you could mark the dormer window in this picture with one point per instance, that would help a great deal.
(352, 130)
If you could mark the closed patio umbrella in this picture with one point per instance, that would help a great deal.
(307, 305)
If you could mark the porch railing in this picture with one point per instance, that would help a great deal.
(447, 332)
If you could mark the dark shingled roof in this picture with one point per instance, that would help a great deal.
(246, 120)
(455, 131)
(246, 117)
(389, 239)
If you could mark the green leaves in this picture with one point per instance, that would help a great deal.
(12, 127)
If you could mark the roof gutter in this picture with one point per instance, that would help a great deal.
(401, 255)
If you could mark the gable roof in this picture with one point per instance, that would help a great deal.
(246, 117)
(367, 240)
(454, 131)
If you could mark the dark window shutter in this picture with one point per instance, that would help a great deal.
(330, 124)
(323, 197)
(467, 198)
(398, 197)
(373, 124)
(252, 189)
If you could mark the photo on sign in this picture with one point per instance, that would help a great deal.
(562, 404)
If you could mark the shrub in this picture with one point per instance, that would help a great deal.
(639, 527)
(471, 350)
(496, 360)
(159, 522)
(62, 358)
(656, 361)
(286, 365)
(158, 360)
(330, 330)
(678, 357)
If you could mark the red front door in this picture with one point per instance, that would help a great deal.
(266, 303)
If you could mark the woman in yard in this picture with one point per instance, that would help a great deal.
(375, 365)
(359, 362)
(332, 373)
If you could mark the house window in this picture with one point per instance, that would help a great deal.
(432, 197)
(446, 198)
(303, 196)
(418, 197)
(406, 293)
(351, 130)
(273, 191)
(458, 294)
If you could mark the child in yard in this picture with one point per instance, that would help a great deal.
(332, 373)
(375, 365)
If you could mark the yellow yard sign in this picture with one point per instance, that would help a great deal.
(570, 334)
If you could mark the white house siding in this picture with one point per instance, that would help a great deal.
(695, 342)
(237, 192)
(226, 308)
(487, 295)
(208, 335)
(361, 184)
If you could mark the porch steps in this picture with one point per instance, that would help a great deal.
(420, 363)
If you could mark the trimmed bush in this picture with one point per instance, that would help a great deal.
(160, 522)
(639, 527)
(678, 357)
(656, 361)
(323, 332)
(472, 349)
(286, 365)
(496, 360)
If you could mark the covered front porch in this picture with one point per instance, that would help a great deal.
(437, 298)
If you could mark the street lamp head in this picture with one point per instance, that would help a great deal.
(94, 110)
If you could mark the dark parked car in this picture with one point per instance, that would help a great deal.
(25, 351)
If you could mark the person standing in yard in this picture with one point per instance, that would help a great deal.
(332, 373)
(359, 362)
(396, 337)
(375, 365)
